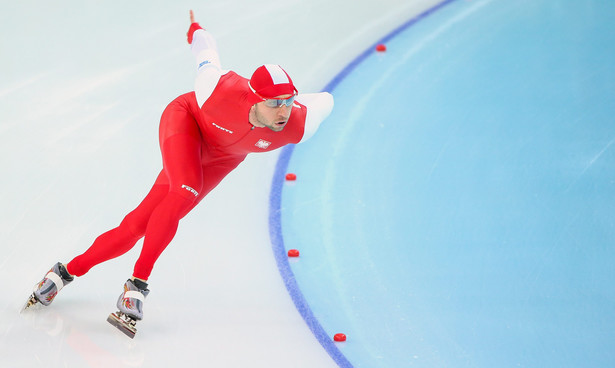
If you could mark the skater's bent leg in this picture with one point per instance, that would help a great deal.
(163, 225)
(181, 156)
(121, 239)
(109, 245)
(180, 142)
(160, 231)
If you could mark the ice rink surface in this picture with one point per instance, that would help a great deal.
(502, 205)
(81, 92)
(457, 210)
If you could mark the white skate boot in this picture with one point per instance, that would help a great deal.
(47, 289)
(130, 305)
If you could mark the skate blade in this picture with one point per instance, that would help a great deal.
(123, 323)
(31, 301)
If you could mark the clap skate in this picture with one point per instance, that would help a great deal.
(47, 289)
(30, 302)
(124, 323)
(130, 305)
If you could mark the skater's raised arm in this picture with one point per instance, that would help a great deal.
(205, 50)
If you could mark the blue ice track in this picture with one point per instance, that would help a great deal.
(275, 223)
(457, 208)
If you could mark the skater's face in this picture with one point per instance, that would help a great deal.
(272, 113)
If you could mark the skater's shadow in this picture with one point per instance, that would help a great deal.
(93, 339)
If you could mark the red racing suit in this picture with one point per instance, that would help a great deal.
(204, 135)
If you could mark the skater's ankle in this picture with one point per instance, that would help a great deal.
(65, 274)
(140, 283)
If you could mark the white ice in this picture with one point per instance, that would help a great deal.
(82, 86)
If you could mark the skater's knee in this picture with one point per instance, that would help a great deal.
(178, 203)
(134, 224)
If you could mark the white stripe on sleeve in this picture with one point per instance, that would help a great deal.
(208, 65)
